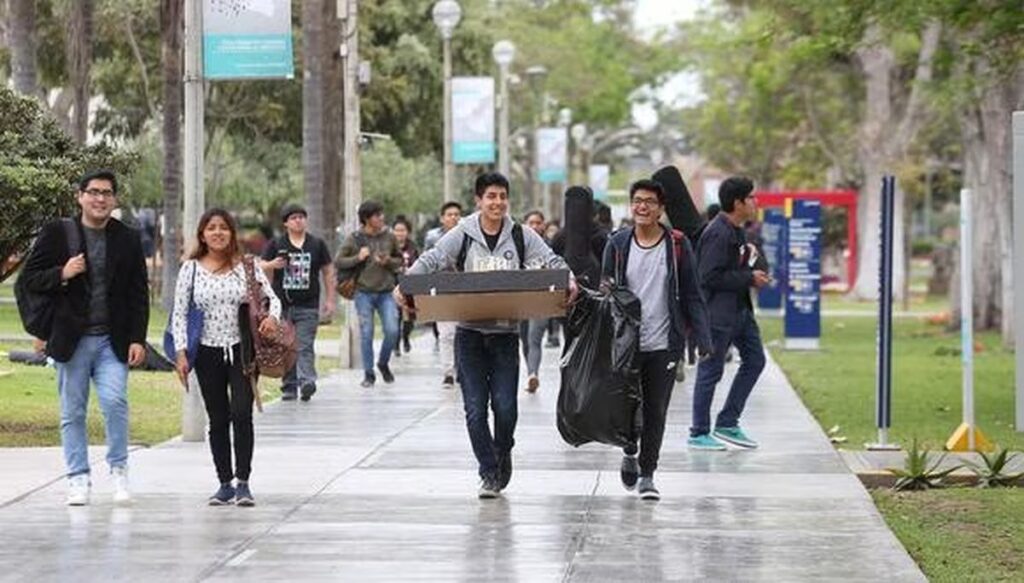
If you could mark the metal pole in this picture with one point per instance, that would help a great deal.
(1018, 259)
(193, 415)
(447, 50)
(503, 161)
(351, 178)
(883, 410)
(967, 313)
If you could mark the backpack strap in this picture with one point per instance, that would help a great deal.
(72, 236)
(520, 243)
(460, 261)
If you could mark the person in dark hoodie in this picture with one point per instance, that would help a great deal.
(375, 247)
(658, 265)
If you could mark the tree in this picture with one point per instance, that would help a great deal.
(171, 30)
(79, 62)
(313, 111)
(21, 32)
(38, 166)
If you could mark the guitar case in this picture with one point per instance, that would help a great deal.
(679, 207)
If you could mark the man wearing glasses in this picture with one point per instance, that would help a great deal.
(727, 272)
(658, 266)
(93, 270)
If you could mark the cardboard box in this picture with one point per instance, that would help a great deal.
(487, 295)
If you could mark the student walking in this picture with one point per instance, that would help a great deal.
(451, 214)
(92, 272)
(214, 278)
(487, 352)
(726, 272)
(659, 267)
(402, 229)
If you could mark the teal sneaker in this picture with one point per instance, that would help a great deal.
(705, 442)
(735, 436)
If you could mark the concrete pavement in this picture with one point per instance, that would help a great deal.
(380, 485)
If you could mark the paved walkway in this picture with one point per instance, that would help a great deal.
(379, 485)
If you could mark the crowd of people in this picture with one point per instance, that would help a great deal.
(91, 272)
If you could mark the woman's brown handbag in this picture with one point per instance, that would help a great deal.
(276, 354)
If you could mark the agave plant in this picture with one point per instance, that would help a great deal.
(918, 473)
(992, 473)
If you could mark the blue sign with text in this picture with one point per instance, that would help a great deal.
(803, 269)
(773, 244)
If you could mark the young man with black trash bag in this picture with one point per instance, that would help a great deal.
(728, 268)
(658, 265)
(487, 352)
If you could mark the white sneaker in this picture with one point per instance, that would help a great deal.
(121, 493)
(78, 490)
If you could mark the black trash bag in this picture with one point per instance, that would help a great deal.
(600, 393)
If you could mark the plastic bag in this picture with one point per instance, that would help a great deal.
(600, 394)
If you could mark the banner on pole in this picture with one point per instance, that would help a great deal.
(552, 154)
(803, 268)
(473, 120)
(247, 39)
(773, 243)
(597, 177)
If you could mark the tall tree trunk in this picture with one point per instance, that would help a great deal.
(333, 112)
(78, 55)
(171, 32)
(883, 141)
(313, 112)
(21, 27)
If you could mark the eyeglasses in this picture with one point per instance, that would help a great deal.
(99, 192)
(645, 202)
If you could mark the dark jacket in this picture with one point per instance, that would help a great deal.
(686, 306)
(723, 274)
(374, 277)
(127, 288)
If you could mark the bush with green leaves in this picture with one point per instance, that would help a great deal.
(39, 164)
(918, 473)
(992, 472)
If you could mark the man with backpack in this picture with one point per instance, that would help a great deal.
(487, 352)
(656, 264)
(87, 283)
(294, 263)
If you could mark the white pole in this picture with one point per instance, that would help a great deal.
(447, 50)
(193, 416)
(1018, 258)
(503, 162)
(352, 181)
(967, 313)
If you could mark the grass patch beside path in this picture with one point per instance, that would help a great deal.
(960, 534)
(838, 383)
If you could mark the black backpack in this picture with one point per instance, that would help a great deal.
(517, 240)
(36, 309)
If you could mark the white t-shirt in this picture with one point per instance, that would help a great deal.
(646, 274)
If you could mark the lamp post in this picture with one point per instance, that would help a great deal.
(504, 52)
(536, 75)
(579, 134)
(446, 15)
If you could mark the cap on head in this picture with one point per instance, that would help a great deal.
(291, 209)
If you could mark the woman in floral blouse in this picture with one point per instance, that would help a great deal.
(215, 278)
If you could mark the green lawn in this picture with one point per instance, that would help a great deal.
(838, 383)
(30, 410)
(960, 534)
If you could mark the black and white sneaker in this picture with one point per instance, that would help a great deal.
(368, 380)
(629, 472)
(504, 470)
(385, 373)
(307, 391)
(647, 490)
(489, 488)
(448, 382)
(224, 495)
(243, 497)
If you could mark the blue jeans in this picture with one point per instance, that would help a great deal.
(531, 332)
(93, 360)
(747, 337)
(489, 374)
(303, 373)
(384, 304)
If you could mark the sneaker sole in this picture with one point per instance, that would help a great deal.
(650, 496)
(245, 503)
(488, 495)
(219, 503)
(737, 443)
(76, 503)
(707, 447)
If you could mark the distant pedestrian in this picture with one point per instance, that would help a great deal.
(214, 277)
(726, 267)
(374, 246)
(93, 268)
(488, 351)
(402, 230)
(531, 332)
(451, 214)
(658, 265)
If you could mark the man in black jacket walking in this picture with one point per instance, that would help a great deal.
(726, 268)
(658, 266)
(100, 296)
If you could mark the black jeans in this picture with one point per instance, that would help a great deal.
(657, 377)
(217, 380)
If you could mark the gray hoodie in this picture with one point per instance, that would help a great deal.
(479, 257)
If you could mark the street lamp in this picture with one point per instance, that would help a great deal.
(447, 14)
(536, 75)
(504, 53)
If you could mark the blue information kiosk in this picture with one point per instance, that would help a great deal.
(773, 244)
(803, 268)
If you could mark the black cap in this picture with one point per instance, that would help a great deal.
(291, 209)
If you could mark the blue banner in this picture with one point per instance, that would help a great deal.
(247, 39)
(773, 243)
(803, 267)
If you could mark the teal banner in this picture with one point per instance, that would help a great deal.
(249, 56)
(473, 153)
